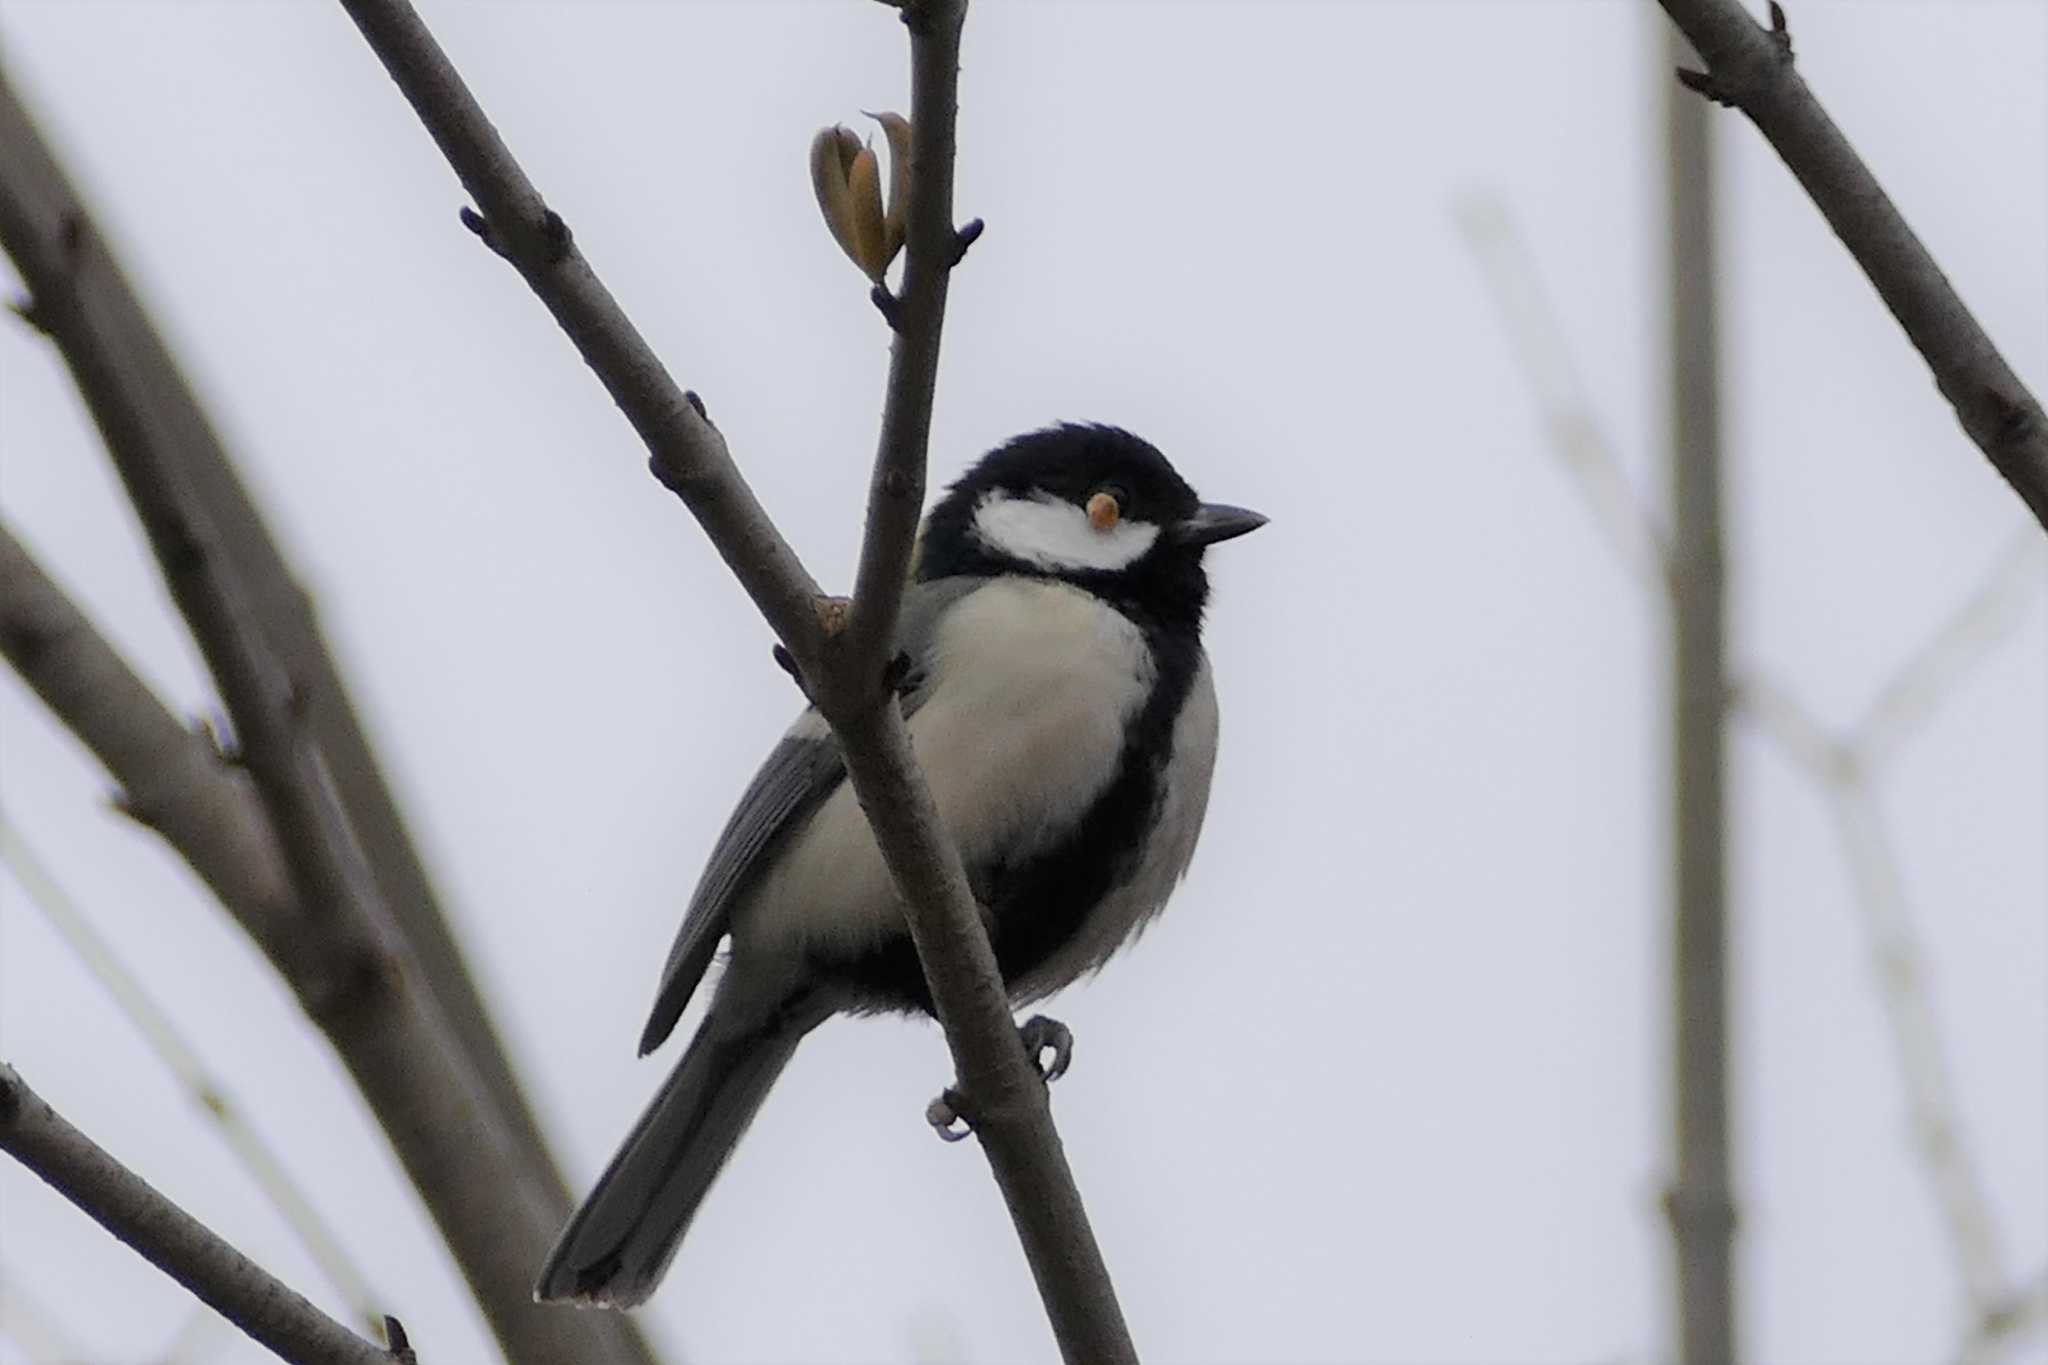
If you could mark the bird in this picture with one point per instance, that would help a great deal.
(1059, 701)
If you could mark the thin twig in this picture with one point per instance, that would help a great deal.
(1751, 68)
(155, 428)
(206, 1089)
(846, 681)
(1914, 690)
(689, 452)
(174, 1241)
(1580, 442)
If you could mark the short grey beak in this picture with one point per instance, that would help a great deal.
(1214, 521)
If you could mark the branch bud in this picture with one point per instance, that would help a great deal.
(847, 176)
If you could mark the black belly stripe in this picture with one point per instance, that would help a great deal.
(1040, 903)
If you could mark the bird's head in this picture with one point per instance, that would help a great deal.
(1092, 505)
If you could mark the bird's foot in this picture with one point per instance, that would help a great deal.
(1041, 1035)
(944, 1115)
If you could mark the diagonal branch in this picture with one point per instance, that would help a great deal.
(840, 668)
(202, 1085)
(320, 924)
(122, 364)
(1750, 68)
(174, 1241)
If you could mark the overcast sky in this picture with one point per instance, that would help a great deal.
(1386, 1083)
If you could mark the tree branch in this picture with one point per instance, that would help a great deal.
(47, 230)
(1751, 68)
(1699, 1198)
(843, 670)
(209, 1093)
(172, 778)
(173, 1240)
(689, 452)
(932, 246)
(322, 925)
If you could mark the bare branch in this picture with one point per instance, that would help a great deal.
(688, 453)
(172, 778)
(325, 932)
(1900, 963)
(932, 247)
(1699, 1198)
(1911, 695)
(205, 1089)
(1751, 68)
(1577, 437)
(1006, 1098)
(174, 1241)
(155, 428)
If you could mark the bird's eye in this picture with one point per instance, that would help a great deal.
(1105, 509)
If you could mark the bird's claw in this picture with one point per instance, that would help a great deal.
(944, 1115)
(1040, 1034)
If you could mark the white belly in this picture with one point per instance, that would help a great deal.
(1035, 682)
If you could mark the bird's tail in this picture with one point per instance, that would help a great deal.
(620, 1242)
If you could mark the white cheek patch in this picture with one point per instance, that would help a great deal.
(1055, 534)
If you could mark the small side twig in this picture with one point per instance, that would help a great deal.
(173, 1240)
(1749, 67)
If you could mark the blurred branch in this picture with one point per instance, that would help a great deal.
(1844, 766)
(156, 430)
(205, 1089)
(843, 669)
(172, 779)
(1751, 68)
(470, 1150)
(2018, 1316)
(1913, 692)
(1576, 435)
(175, 1242)
(1700, 1199)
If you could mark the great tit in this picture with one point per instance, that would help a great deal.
(1059, 701)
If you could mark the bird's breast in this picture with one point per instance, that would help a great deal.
(1032, 685)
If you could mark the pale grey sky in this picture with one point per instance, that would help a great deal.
(1386, 1081)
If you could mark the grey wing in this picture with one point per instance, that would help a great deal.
(802, 770)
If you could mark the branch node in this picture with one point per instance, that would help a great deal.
(1781, 32)
(481, 226)
(948, 1116)
(786, 661)
(890, 307)
(696, 403)
(25, 309)
(555, 235)
(965, 236)
(1703, 83)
